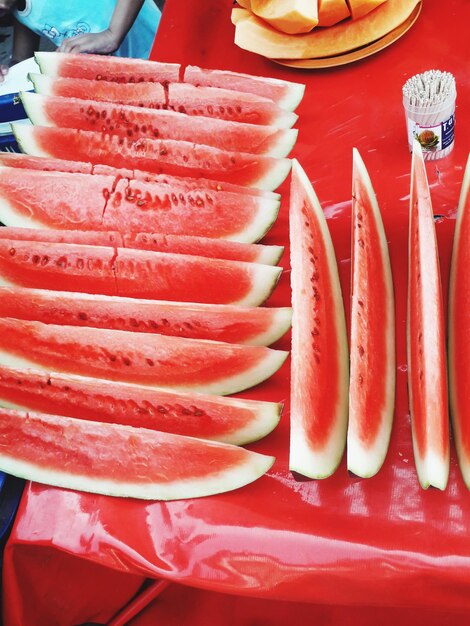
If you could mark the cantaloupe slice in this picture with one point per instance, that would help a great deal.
(254, 35)
(359, 8)
(331, 12)
(288, 16)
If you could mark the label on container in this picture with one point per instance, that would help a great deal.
(432, 138)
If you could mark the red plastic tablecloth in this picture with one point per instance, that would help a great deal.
(343, 541)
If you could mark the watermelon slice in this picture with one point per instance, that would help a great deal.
(156, 242)
(427, 377)
(25, 161)
(134, 122)
(134, 273)
(171, 157)
(459, 324)
(319, 378)
(38, 199)
(109, 458)
(137, 358)
(100, 67)
(229, 420)
(252, 326)
(372, 346)
(222, 104)
(285, 94)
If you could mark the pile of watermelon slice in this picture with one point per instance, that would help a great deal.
(331, 406)
(131, 276)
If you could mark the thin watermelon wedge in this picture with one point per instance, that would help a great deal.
(218, 418)
(109, 458)
(285, 94)
(135, 122)
(100, 67)
(134, 273)
(459, 325)
(372, 345)
(226, 104)
(258, 326)
(178, 158)
(319, 373)
(427, 376)
(156, 242)
(44, 199)
(153, 360)
(25, 161)
(222, 104)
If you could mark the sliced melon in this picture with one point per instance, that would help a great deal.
(459, 330)
(244, 325)
(359, 8)
(319, 379)
(109, 458)
(254, 35)
(229, 420)
(134, 273)
(372, 345)
(100, 67)
(331, 12)
(153, 360)
(427, 375)
(179, 158)
(288, 16)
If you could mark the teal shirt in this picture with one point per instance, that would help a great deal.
(60, 20)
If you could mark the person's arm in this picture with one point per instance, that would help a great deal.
(109, 40)
(25, 43)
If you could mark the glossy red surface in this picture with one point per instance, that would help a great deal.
(344, 541)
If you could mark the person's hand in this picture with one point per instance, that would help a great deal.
(99, 43)
(3, 72)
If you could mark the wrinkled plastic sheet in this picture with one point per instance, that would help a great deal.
(344, 541)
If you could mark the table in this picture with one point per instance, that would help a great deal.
(344, 541)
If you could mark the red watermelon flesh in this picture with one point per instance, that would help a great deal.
(427, 376)
(138, 358)
(38, 199)
(135, 122)
(217, 322)
(372, 345)
(186, 183)
(137, 205)
(221, 104)
(226, 104)
(459, 330)
(156, 242)
(175, 158)
(319, 369)
(27, 198)
(99, 67)
(230, 420)
(134, 273)
(121, 460)
(285, 94)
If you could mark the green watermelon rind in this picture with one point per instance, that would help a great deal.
(280, 323)
(361, 460)
(265, 415)
(302, 459)
(36, 106)
(224, 385)
(254, 466)
(456, 417)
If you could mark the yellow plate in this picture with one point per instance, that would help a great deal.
(360, 53)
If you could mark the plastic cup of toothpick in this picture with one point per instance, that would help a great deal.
(429, 102)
